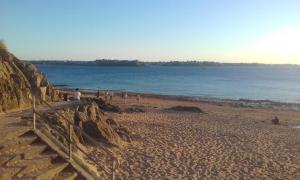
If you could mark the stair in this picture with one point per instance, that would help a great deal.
(23, 155)
(10, 133)
(66, 174)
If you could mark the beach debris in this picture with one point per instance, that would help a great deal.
(185, 109)
(275, 120)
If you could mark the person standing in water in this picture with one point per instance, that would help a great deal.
(77, 94)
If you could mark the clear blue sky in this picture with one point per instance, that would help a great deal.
(223, 30)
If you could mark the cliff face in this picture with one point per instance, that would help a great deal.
(18, 81)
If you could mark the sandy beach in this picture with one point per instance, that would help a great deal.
(224, 142)
(150, 90)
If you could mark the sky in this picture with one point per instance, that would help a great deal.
(262, 31)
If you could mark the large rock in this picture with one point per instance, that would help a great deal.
(90, 118)
(19, 80)
(103, 105)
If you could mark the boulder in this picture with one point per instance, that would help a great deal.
(90, 118)
(103, 105)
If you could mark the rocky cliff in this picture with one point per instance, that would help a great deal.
(20, 80)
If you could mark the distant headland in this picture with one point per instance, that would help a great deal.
(138, 63)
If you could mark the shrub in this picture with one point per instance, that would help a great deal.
(2, 45)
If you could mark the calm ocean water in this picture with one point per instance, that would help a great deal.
(229, 82)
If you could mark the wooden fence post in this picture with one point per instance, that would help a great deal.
(113, 170)
(70, 141)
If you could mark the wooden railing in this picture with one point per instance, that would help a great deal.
(43, 121)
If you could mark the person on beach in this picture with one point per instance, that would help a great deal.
(77, 94)
(66, 96)
(98, 94)
(106, 95)
(125, 97)
(138, 98)
(111, 96)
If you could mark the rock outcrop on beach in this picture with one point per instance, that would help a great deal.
(185, 109)
(91, 119)
(18, 81)
(105, 106)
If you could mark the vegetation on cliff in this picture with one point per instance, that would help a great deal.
(2, 45)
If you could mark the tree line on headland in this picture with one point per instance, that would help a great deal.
(137, 63)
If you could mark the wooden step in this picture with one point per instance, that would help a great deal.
(14, 160)
(70, 176)
(57, 165)
(52, 171)
(35, 149)
(79, 177)
(66, 176)
(8, 173)
(12, 133)
(12, 153)
(4, 159)
(69, 173)
(80, 166)
(34, 165)
(15, 144)
(26, 154)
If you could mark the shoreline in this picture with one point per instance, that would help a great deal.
(242, 103)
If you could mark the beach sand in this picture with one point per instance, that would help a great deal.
(225, 142)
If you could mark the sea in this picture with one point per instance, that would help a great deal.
(260, 82)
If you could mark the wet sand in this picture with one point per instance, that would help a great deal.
(225, 142)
